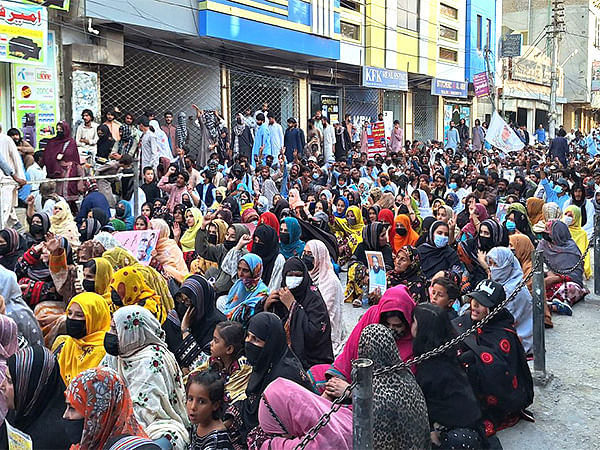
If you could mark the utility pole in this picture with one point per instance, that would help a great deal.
(556, 30)
(490, 75)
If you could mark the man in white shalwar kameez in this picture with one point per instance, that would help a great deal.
(10, 183)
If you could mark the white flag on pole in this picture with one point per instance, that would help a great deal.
(501, 136)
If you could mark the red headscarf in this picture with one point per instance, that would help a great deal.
(101, 396)
(387, 216)
(268, 218)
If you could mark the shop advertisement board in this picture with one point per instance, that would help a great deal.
(481, 85)
(35, 93)
(449, 88)
(23, 33)
(376, 139)
(330, 107)
(54, 4)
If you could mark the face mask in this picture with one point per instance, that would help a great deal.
(452, 185)
(480, 187)
(397, 334)
(73, 430)
(120, 212)
(293, 282)
(546, 236)
(76, 328)
(315, 175)
(89, 285)
(111, 344)
(440, 241)
(496, 273)
(558, 189)
(116, 298)
(351, 221)
(568, 220)
(253, 353)
(212, 239)
(401, 231)
(61, 134)
(36, 229)
(384, 182)
(309, 261)
(229, 244)
(258, 248)
(187, 203)
(486, 243)
(398, 204)
(510, 225)
(284, 237)
(3, 249)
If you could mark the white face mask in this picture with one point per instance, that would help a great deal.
(568, 220)
(293, 282)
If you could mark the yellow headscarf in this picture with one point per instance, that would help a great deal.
(221, 229)
(78, 355)
(118, 258)
(104, 274)
(63, 224)
(188, 240)
(223, 191)
(580, 237)
(130, 285)
(352, 232)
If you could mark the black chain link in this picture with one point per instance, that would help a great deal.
(571, 270)
(336, 405)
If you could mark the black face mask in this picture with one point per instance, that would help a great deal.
(36, 229)
(181, 309)
(284, 237)
(480, 187)
(486, 243)
(212, 239)
(309, 261)
(401, 231)
(253, 353)
(120, 212)
(116, 298)
(76, 328)
(219, 199)
(229, 244)
(187, 203)
(3, 249)
(111, 344)
(61, 134)
(73, 430)
(89, 285)
(83, 234)
(258, 248)
(546, 236)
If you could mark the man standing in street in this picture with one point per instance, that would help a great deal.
(292, 140)
(276, 132)
(149, 144)
(478, 136)
(86, 136)
(343, 143)
(540, 135)
(328, 139)
(452, 138)
(170, 130)
(262, 142)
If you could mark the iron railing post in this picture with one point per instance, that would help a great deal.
(596, 244)
(362, 404)
(539, 339)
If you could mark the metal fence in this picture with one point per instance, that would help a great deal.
(424, 115)
(251, 90)
(148, 81)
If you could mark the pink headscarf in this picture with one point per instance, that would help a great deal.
(294, 198)
(470, 228)
(396, 298)
(298, 410)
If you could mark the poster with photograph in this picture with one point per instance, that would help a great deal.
(140, 243)
(377, 275)
(501, 211)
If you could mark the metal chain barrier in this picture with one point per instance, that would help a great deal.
(571, 270)
(336, 405)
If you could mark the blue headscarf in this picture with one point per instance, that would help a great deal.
(342, 215)
(246, 293)
(128, 218)
(296, 246)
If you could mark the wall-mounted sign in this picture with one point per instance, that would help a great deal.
(510, 45)
(54, 4)
(531, 71)
(23, 33)
(375, 77)
(481, 84)
(449, 88)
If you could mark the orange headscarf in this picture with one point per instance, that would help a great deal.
(102, 398)
(411, 237)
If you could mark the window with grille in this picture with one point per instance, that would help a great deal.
(479, 20)
(350, 31)
(448, 55)
(488, 37)
(448, 33)
(408, 14)
(349, 4)
(448, 11)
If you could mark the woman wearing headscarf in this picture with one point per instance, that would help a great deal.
(193, 220)
(88, 229)
(17, 309)
(348, 231)
(264, 244)
(38, 397)
(425, 227)
(97, 275)
(394, 310)
(63, 224)
(436, 255)
(271, 358)
(523, 248)
(101, 397)
(99, 214)
(374, 240)
(534, 207)
(318, 262)
(39, 225)
(403, 233)
(281, 209)
(270, 219)
(579, 199)
(164, 149)
(423, 202)
(399, 407)
(8, 347)
(517, 220)
(290, 243)
(561, 253)
(61, 160)
(124, 214)
(572, 218)
(477, 214)
(167, 253)
(246, 296)
(304, 315)
(373, 213)
(189, 327)
(141, 223)
(287, 409)
(12, 247)
(211, 234)
(387, 216)
(128, 287)
(506, 270)
(550, 211)
(105, 143)
(232, 205)
(340, 207)
(88, 320)
(407, 271)
(137, 351)
(494, 359)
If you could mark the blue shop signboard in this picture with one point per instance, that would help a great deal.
(375, 77)
(449, 88)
